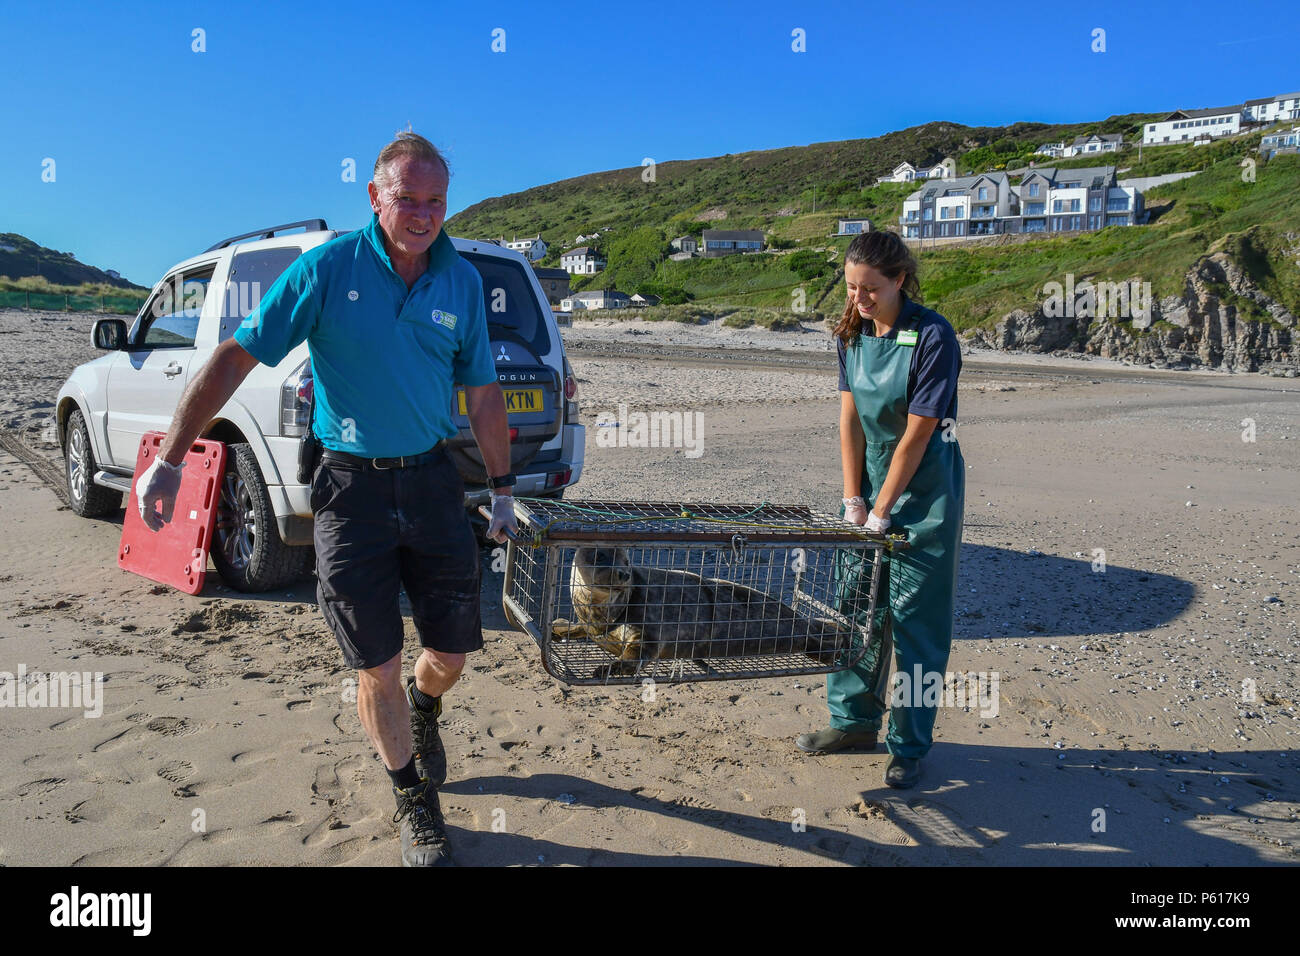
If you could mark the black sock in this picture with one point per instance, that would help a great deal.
(424, 701)
(406, 778)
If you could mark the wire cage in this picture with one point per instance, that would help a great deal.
(615, 592)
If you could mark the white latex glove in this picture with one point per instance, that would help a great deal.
(159, 483)
(878, 525)
(503, 518)
(855, 510)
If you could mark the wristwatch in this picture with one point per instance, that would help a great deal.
(505, 481)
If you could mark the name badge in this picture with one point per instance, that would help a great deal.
(907, 337)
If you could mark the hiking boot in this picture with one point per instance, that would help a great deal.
(424, 841)
(903, 772)
(430, 757)
(830, 740)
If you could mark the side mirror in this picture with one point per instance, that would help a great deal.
(109, 334)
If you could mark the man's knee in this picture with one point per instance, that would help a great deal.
(383, 678)
(447, 663)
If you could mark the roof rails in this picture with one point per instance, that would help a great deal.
(312, 225)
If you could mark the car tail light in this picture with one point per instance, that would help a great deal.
(514, 434)
(295, 401)
(570, 387)
(558, 479)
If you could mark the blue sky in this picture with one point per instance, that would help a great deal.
(160, 151)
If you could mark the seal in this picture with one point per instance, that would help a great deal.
(638, 614)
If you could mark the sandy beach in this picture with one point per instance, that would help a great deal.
(1159, 696)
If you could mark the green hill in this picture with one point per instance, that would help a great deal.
(21, 258)
(973, 284)
(795, 193)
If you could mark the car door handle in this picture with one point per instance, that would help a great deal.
(172, 369)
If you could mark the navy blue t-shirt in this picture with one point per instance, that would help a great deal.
(936, 361)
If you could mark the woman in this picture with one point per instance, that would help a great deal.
(899, 364)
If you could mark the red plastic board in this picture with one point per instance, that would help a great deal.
(177, 554)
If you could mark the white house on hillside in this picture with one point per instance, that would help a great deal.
(1096, 143)
(583, 260)
(1273, 109)
(533, 249)
(1188, 125)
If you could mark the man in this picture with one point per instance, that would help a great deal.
(393, 318)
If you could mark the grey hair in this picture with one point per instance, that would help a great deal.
(406, 143)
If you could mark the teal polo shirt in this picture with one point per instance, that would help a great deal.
(385, 360)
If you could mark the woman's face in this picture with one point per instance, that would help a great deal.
(873, 294)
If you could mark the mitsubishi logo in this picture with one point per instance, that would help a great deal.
(503, 357)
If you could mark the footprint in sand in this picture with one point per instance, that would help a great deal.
(40, 788)
(499, 724)
(172, 726)
(176, 771)
(298, 705)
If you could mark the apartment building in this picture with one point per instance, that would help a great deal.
(1046, 200)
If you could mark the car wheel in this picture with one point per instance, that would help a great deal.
(86, 498)
(246, 544)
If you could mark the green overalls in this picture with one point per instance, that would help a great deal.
(918, 585)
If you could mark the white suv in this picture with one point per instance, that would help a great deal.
(263, 533)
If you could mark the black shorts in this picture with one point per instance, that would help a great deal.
(377, 530)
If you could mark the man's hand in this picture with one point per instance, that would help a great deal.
(160, 482)
(503, 518)
(855, 510)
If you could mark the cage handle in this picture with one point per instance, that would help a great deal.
(486, 512)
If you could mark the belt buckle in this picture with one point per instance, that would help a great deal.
(374, 463)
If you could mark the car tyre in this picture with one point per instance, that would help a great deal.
(246, 545)
(85, 497)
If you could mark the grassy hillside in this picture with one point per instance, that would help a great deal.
(972, 284)
(1257, 223)
(20, 258)
(766, 189)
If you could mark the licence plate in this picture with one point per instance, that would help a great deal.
(519, 401)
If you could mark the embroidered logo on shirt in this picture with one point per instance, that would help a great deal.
(907, 337)
(353, 295)
(444, 319)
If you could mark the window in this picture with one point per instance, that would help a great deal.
(929, 214)
(1035, 208)
(171, 319)
(960, 212)
(1033, 189)
(984, 192)
(522, 316)
(1094, 204)
(252, 274)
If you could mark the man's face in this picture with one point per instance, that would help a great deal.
(412, 206)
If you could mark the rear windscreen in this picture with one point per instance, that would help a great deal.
(510, 302)
(252, 274)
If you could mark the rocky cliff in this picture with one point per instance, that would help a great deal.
(1221, 320)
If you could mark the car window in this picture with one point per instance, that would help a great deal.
(510, 302)
(252, 274)
(171, 319)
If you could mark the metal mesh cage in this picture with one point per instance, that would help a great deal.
(615, 592)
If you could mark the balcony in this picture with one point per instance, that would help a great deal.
(983, 212)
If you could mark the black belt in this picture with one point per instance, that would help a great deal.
(383, 464)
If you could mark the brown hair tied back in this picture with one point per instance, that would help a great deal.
(885, 252)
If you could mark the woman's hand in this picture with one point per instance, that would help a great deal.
(877, 524)
(855, 510)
